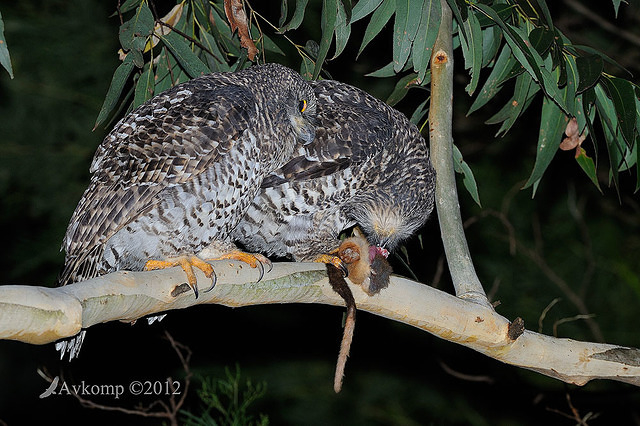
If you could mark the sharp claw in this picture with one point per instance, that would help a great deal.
(343, 268)
(194, 287)
(261, 271)
(270, 265)
(214, 279)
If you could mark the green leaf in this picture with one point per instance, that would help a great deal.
(129, 5)
(144, 87)
(401, 42)
(426, 37)
(216, 58)
(541, 40)
(297, 18)
(284, 10)
(588, 166)
(552, 125)
(589, 69)
(571, 84)
(328, 26)
(524, 91)
(545, 12)
(402, 87)
(472, 51)
(346, 4)
(306, 68)
(386, 71)
(616, 6)
(491, 42)
(5, 59)
(267, 44)
(364, 8)
(378, 20)
(343, 30)
(505, 68)
(504, 11)
(183, 53)
(469, 181)
(420, 112)
(623, 96)
(120, 77)
(133, 33)
(609, 122)
(574, 48)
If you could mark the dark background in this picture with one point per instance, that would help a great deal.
(64, 54)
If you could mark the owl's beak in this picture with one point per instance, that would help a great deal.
(306, 131)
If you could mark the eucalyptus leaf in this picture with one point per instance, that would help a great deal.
(119, 79)
(426, 37)
(588, 166)
(402, 87)
(328, 26)
(622, 94)
(343, 30)
(473, 51)
(364, 8)
(468, 180)
(5, 59)
(144, 87)
(183, 53)
(378, 20)
(589, 69)
(297, 18)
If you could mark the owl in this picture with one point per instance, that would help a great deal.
(178, 173)
(367, 166)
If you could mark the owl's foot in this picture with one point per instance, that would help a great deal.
(254, 260)
(335, 261)
(186, 263)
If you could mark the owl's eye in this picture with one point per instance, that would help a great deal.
(302, 105)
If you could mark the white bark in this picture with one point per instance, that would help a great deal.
(40, 315)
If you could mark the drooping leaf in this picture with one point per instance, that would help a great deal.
(134, 32)
(5, 59)
(616, 6)
(524, 91)
(420, 112)
(120, 77)
(623, 96)
(129, 5)
(215, 60)
(504, 11)
(571, 84)
(588, 166)
(472, 51)
(609, 122)
(468, 180)
(221, 31)
(328, 26)
(541, 40)
(266, 42)
(545, 12)
(144, 87)
(364, 8)
(386, 71)
(378, 20)
(552, 125)
(575, 48)
(460, 14)
(306, 68)
(183, 53)
(402, 87)
(343, 30)
(505, 68)
(491, 42)
(284, 10)
(348, 9)
(589, 69)
(297, 18)
(426, 37)
(401, 41)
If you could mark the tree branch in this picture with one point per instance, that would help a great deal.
(41, 315)
(463, 275)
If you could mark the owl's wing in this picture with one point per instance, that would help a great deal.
(347, 134)
(163, 143)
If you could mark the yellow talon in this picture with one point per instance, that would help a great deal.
(186, 263)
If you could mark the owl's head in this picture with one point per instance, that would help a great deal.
(292, 95)
(389, 217)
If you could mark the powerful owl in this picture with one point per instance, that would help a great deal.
(178, 173)
(368, 165)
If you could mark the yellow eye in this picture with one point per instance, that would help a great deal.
(302, 106)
